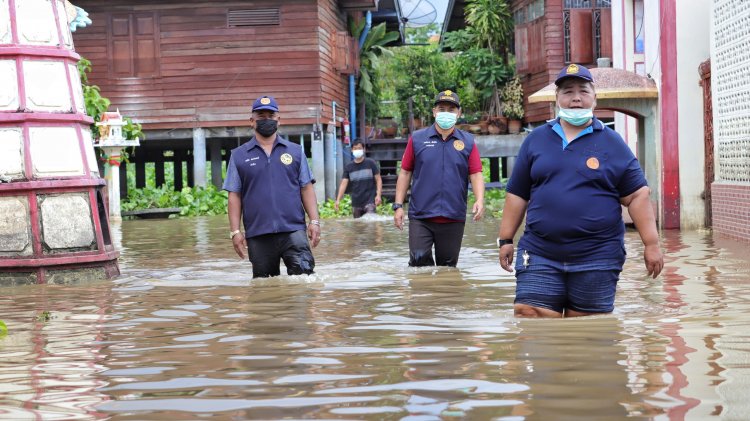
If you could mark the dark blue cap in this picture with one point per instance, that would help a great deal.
(574, 70)
(265, 103)
(448, 96)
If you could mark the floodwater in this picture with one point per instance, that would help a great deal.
(186, 334)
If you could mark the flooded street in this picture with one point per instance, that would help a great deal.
(186, 334)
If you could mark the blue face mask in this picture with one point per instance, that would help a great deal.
(358, 153)
(446, 120)
(576, 116)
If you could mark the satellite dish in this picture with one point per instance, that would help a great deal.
(418, 13)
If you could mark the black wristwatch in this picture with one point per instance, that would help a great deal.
(501, 243)
(397, 206)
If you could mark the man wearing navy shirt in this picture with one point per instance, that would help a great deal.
(439, 161)
(570, 178)
(270, 188)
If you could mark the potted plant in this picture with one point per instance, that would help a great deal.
(513, 104)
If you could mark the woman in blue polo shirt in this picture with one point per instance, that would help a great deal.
(570, 178)
(270, 188)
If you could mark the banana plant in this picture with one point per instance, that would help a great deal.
(369, 54)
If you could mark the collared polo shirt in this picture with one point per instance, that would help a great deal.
(269, 186)
(560, 132)
(573, 193)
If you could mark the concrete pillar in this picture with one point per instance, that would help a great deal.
(511, 161)
(317, 151)
(216, 162)
(112, 177)
(330, 165)
(339, 162)
(199, 157)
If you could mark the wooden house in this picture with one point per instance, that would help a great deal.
(548, 35)
(188, 70)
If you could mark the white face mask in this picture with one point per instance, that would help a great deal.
(358, 153)
(576, 116)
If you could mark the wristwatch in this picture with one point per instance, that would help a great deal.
(501, 243)
(397, 206)
(233, 233)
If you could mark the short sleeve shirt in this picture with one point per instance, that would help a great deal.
(361, 176)
(233, 184)
(574, 191)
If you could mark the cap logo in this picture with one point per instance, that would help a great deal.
(286, 159)
(265, 101)
(572, 69)
(592, 163)
(448, 92)
(458, 145)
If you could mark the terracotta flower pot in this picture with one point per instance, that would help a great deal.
(514, 126)
(484, 125)
(498, 125)
(389, 132)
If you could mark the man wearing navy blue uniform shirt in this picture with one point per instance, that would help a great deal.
(439, 161)
(570, 178)
(270, 188)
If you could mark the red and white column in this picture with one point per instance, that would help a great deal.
(54, 226)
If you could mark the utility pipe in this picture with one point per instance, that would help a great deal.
(352, 81)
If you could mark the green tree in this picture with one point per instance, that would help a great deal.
(421, 34)
(482, 50)
(422, 72)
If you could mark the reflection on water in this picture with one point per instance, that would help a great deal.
(186, 333)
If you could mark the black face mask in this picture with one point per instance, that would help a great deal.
(267, 127)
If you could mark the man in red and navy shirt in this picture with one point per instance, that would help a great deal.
(438, 163)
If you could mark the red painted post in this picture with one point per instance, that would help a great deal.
(670, 212)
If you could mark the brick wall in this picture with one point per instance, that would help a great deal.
(730, 84)
(731, 209)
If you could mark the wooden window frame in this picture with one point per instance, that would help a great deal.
(133, 37)
(597, 39)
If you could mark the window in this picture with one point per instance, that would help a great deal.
(529, 37)
(133, 45)
(345, 53)
(639, 46)
(587, 30)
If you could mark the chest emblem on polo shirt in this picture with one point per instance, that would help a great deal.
(592, 163)
(286, 159)
(458, 145)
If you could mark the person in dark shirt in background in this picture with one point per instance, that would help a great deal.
(366, 184)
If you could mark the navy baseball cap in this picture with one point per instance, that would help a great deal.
(574, 70)
(265, 103)
(448, 96)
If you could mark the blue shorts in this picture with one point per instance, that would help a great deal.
(586, 287)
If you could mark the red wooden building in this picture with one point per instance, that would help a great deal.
(190, 69)
(548, 35)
